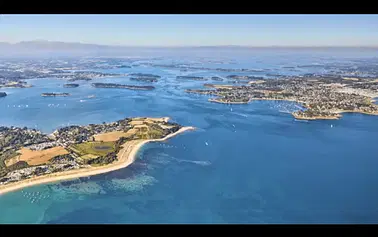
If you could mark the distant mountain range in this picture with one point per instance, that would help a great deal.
(44, 47)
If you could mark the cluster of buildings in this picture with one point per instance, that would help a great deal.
(42, 146)
(322, 97)
(25, 173)
(11, 137)
(78, 134)
(15, 138)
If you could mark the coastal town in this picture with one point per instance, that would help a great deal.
(29, 153)
(322, 97)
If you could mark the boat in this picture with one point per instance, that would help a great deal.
(91, 96)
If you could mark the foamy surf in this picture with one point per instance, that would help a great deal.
(196, 162)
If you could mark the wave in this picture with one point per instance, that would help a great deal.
(284, 111)
(242, 115)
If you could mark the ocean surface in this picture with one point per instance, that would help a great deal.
(244, 164)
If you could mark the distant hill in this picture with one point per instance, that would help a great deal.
(55, 48)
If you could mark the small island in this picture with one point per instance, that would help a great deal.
(79, 79)
(14, 84)
(120, 86)
(144, 79)
(71, 85)
(145, 75)
(3, 94)
(54, 94)
(191, 78)
(30, 157)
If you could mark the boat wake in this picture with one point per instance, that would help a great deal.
(197, 162)
(242, 115)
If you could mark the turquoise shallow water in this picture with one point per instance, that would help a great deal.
(244, 164)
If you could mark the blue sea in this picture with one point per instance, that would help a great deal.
(244, 164)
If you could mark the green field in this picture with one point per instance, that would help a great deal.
(93, 148)
(154, 133)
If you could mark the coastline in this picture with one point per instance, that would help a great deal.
(255, 99)
(339, 112)
(221, 102)
(127, 157)
(316, 117)
(356, 111)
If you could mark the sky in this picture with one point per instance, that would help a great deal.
(194, 30)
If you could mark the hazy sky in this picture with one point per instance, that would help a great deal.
(190, 30)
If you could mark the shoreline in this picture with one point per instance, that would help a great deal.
(356, 111)
(316, 117)
(131, 149)
(256, 99)
(221, 102)
(338, 112)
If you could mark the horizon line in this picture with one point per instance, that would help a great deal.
(194, 46)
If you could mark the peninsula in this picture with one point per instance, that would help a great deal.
(322, 97)
(145, 75)
(54, 94)
(29, 157)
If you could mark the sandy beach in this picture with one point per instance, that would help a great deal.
(126, 157)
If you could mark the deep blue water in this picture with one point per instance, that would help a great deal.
(244, 164)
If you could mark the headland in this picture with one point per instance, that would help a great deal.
(76, 151)
(321, 97)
